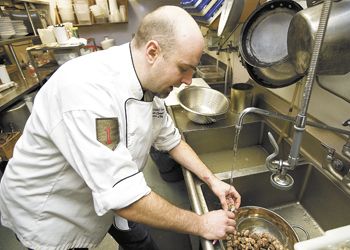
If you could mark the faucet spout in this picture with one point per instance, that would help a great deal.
(277, 115)
(262, 112)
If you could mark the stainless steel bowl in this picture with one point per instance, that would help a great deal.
(261, 220)
(203, 105)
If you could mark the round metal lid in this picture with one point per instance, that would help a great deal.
(263, 40)
(263, 44)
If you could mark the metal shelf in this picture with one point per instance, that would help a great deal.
(42, 47)
(52, 65)
(92, 24)
(9, 42)
(34, 1)
(15, 40)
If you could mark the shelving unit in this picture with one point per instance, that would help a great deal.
(93, 21)
(93, 24)
(25, 82)
(9, 43)
(54, 61)
(34, 1)
(15, 40)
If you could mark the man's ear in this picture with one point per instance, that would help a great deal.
(152, 51)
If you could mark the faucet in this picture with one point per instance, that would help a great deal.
(300, 121)
(280, 178)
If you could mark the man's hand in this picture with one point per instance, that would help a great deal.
(154, 211)
(227, 194)
(217, 224)
(185, 155)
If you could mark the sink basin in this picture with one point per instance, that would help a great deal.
(314, 203)
(215, 146)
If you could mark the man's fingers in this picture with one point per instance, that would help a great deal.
(230, 230)
(230, 214)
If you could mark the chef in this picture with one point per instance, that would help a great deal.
(76, 172)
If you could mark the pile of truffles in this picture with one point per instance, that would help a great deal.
(246, 240)
(252, 241)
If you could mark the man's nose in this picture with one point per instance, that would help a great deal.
(187, 79)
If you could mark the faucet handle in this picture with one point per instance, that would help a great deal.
(335, 163)
(330, 150)
(346, 123)
(272, 167)
(274, 145)
(346, 147)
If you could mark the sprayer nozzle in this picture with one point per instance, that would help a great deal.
(282, 182)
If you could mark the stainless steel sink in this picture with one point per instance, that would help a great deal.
(315, 203)
(215, 146)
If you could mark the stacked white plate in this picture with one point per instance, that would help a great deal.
(114, 15)
(103, 5)
(6, 28)
(20, 28)
(100, 11)
(65, 8)
(81, 8)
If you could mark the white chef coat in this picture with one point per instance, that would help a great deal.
(62, 184)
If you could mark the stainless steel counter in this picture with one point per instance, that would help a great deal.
(315, 191)
(13, 94)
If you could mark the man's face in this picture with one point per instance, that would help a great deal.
(173, 69)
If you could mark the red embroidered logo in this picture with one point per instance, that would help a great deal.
(108, 131)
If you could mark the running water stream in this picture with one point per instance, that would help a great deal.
(235, 148)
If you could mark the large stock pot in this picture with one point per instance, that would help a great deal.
(334, 58)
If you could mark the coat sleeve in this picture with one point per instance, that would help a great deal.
(112, 176)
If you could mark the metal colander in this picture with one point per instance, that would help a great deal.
(203, 105)
(261, 220)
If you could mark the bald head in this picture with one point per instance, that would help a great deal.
(166, 49)
(170, 26)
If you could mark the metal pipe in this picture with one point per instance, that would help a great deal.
(285, 118)
(315, 55)
(300, 122)
(17, 62)
(30, 18)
